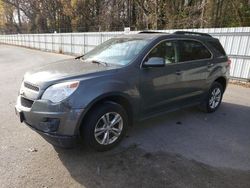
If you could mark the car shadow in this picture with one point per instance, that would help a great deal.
(178, 149)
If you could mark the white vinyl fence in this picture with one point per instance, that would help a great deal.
(236, 42)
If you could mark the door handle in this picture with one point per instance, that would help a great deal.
(178, 72)
(210, 65)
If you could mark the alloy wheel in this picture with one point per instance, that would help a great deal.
(215, 98)
(108, 128)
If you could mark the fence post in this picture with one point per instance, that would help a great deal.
(84, 44)
(71, 49)
(45, 42)
(34, 46)
(61, 47)
(30, 40)
(52, 42)
(39, 42)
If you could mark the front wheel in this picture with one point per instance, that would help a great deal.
(105, 126)
(213, 99)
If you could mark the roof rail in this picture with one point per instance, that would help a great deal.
(150, 32)
(191, 33)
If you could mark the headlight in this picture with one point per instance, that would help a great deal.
(59, 92)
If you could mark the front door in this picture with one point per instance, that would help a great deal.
(158, 85)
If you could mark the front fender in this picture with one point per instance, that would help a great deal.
(94, 89)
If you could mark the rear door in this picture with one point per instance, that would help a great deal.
(195, 60)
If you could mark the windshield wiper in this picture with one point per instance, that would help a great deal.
(79, 57)
(100, 62)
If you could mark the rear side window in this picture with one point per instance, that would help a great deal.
(217, 48)
(192, 50)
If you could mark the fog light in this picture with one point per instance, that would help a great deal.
(49, 125)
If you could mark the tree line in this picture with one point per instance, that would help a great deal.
(36, 16)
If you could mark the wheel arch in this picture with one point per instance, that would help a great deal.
(223, 81)
(117, 98)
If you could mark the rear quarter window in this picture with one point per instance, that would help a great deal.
(220, 52)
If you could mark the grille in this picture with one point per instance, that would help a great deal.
(26, 102)
(31, 87)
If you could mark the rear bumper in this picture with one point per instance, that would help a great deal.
(56, 123)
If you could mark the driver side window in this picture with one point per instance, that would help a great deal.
(165, 50)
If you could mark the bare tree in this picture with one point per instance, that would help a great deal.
(98, 15)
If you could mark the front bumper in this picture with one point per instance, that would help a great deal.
(63, 141)
(56, 123)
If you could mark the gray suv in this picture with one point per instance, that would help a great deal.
(97, 96)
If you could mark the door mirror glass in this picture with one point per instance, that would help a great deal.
(154, 62)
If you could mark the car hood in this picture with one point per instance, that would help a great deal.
(66, 69)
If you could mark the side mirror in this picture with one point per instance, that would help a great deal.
(154, 62)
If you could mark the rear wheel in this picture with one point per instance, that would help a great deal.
(213, 99)
(105, 126)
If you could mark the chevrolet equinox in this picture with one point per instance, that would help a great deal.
(132, 77)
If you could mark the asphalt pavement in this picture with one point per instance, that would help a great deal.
(187, 148)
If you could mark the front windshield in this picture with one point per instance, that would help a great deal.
(118, 51)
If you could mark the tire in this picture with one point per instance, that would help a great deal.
(213, 99)
(103, 136)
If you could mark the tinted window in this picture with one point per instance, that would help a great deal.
(165, 50)
(217, 48)
(192, 50)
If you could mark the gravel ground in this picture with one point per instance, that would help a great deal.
(187, 148)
